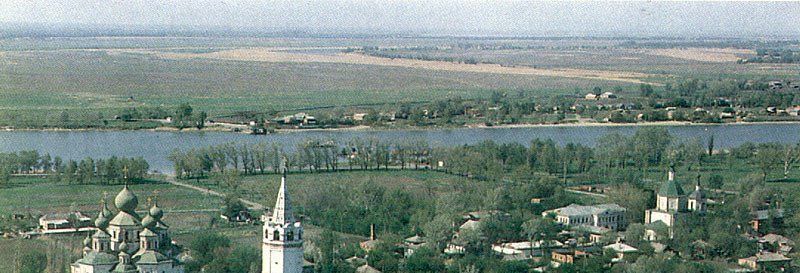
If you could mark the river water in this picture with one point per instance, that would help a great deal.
(156, 146)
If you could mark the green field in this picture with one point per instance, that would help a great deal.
(38, 86)
(79, 82)
(36, 196)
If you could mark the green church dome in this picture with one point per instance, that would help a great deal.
(105, 211)
(156, 212)
(101, 222)
(123, 247)
(148, 221)
(126, 201)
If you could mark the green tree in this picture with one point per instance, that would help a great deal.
(244, 259)
(183, 115)
(201, 120)
(710, 145)
(767, 157)
(424, 260)
(32, 261)
(650, 144)
(205, 247)
(232, 206)
(715, 181)
(631, 197)
(645, 90)
(541, 229)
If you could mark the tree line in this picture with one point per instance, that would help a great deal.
(310, 155)
(614, 157)
(89, 170)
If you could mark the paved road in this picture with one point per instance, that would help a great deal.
(250, 204)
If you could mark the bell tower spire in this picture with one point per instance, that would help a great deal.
(282, 212)
(282, 249)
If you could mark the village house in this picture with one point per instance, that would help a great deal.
(776, 243)
(766, 261)
(793, 111)
(64, 221)
(240, 217)
(590, 96)
(610, 216)
(367, 269)
(413, 243)
(595, 233)
(523, 250)
(766, 219)
(566, 256)
(608, 95)
(297, 119)
(622, 252)
(471, 221)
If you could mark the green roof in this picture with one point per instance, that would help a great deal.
(101, 234)
(98, 258)
(670, 189)
(125, 268)
(147, 233)
(150, 257)
(124, 219)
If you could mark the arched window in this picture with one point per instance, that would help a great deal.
(276, 235)
(300, 235)
(289, 235)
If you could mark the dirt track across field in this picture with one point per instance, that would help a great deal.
(279, 56)
(714, 55)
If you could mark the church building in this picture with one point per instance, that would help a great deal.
(672, 204)
(127, 243)
(282, 249)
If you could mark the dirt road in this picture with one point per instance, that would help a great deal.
(250, 204)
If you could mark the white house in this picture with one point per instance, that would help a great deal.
(610, 216)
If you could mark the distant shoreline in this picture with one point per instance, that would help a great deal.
(409, 128)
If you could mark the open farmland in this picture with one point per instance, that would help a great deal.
(714, 55)
(38, 85)
(276, 56)
(84, 82)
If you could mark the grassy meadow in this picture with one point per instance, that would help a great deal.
(36, 195)
(38, 87)
(85, 82)
(82, 81)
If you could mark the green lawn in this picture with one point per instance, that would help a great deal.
(41, 196)
(303, 186)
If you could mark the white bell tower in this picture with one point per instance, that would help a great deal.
(283, 237)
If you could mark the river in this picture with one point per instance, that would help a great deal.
(155, 146)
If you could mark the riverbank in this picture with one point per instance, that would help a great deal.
(243, 129)
(156, 146)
